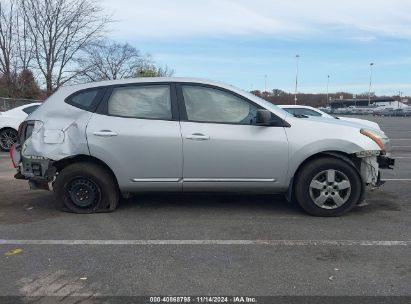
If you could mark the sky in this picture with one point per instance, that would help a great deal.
(240, 41)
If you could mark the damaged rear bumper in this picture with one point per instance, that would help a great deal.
(39, 171)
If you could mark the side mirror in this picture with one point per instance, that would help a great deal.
(263, 117)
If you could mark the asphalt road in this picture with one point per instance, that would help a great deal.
(207, 244)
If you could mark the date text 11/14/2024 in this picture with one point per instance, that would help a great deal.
(203, 299)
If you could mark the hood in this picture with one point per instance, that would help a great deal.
(325, 120)
(362, 122)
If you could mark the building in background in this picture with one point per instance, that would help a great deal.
(380, 102)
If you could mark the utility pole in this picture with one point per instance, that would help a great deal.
(328, 83)
(297, 57)
(265, 83)
(369, 88)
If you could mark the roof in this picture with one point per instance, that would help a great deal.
(295, 106)
(149, 80)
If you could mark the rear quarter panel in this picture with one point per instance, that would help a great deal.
(63, 131)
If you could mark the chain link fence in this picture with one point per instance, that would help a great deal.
(10, 103)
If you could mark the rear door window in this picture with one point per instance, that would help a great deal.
(145, 101)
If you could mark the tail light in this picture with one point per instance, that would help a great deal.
(21, 131)
(26, 129)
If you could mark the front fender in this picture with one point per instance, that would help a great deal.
(298, 154)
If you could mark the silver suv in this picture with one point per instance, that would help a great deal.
(93, 143)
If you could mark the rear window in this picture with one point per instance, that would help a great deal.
(30, 109)
(302, 111)
(86, 99)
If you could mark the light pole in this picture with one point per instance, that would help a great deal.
(369, 88)
(265, 83)
(297, 57)
(328, 83)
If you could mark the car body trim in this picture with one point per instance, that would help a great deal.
(229, 180)
(161, 180)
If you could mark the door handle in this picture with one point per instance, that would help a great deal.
(198, 136)
(105, 133)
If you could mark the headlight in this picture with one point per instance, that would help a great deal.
(378, 137)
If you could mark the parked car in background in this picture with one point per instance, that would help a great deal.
(392, 112)
(96, 142)
(9, 124)
(314, 112)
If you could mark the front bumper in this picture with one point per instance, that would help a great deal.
(371, 168)
(385, 162)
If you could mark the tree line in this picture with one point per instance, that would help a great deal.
(56, 42)
(279, 97)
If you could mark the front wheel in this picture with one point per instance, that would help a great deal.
(328, 187)
(86, 188)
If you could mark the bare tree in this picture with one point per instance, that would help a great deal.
(24, 45)
(107, 60)
(59, 30)
(7, 44)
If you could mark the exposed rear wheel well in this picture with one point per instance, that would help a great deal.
(61, 164)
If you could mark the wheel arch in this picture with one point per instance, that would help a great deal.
(8, 127)
(62, 163)
(351, 159)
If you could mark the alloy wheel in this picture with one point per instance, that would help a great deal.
(7, 139)
(330, 189)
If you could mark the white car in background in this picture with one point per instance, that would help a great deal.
(298, 110)
(10, 122)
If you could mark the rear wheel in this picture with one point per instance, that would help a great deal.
(86, 188)
(8, 137)
(328, 187)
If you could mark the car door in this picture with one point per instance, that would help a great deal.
(137, 134)
(224, 148)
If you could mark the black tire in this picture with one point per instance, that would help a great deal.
(313, 172)
(86, 187)
(8, 137)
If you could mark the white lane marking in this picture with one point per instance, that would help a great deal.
(397, 179)
(211, 242)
